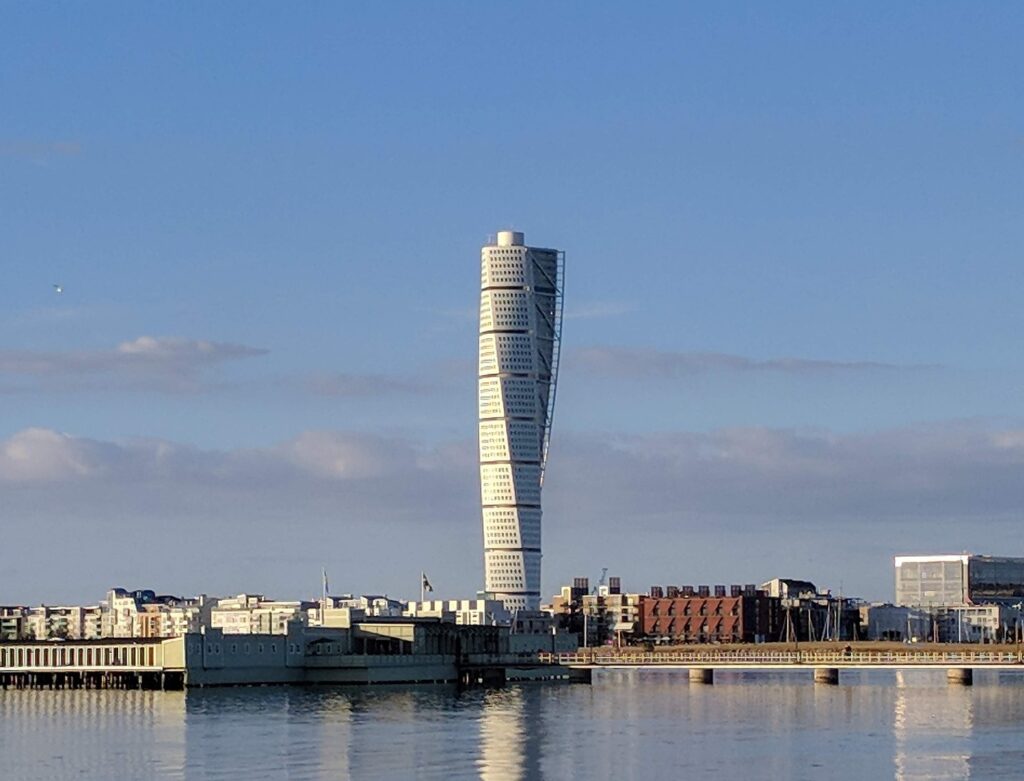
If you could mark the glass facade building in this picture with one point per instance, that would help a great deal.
(995, 580)
(964, 579)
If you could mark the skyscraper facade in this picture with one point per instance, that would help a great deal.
(520, 335)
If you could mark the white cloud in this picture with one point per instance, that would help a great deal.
(748, 498)
(187, 351)
(165, 364)
(919, 472)
(42, 455)
(914, 474)
(313, 458)
(346, 457)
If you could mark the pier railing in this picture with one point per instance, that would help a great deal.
(831, 658)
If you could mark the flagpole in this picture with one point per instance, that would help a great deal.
(423, 592)
(323, 603)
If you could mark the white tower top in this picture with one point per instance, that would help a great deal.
(511, 239)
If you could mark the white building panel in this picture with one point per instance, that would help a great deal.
(501, 437)
(520, 398)
(506, 310)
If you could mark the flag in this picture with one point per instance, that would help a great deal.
(326, 587)
(426, 583)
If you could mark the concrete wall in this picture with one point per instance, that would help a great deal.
(215, 658)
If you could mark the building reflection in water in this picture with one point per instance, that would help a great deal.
(511, 727)
(76, 733)
(932, 725)
(267, 732)
(380, 732)
(629, 724)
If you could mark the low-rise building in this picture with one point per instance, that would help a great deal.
(255, 614)
(12, 622)
(92, 622)
(687, 615)
(610, 617)
(992, 623)
(809, 615)
(50, 622)
(790, 589)
(468, 612)
(63, 622)
(602, 616)
(144, 613)
(370, 605)
(895, 622)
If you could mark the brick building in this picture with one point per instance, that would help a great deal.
(685, 616)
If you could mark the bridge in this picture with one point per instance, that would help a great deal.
(825, 664)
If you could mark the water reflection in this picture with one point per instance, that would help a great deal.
(84, 734)
(629, 724)
(511, 732)
(274, 732)
(932, 724)
(745, 725)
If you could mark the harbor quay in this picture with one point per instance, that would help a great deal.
(418, 651)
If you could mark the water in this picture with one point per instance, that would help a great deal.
(628, 725)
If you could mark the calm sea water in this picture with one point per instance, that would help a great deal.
(628, 725)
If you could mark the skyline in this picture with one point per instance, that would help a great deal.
(793, 303)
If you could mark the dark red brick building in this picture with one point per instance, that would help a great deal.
(741, 618)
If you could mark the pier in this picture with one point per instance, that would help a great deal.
(130, 663)
(388, 652)
(824, 664)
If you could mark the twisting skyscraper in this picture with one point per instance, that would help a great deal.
(520, 334)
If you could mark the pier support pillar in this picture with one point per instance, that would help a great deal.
(581, 675)
(829, 675)
(702, 675)
(963, 676)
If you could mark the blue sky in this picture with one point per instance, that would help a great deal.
(793, 239)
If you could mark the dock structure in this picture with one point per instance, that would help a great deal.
(420, 651)
(825, 664)
(116, 663)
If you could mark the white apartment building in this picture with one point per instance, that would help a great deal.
(72, 622)
(143, 613)
(255, 614)
(12, 622)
